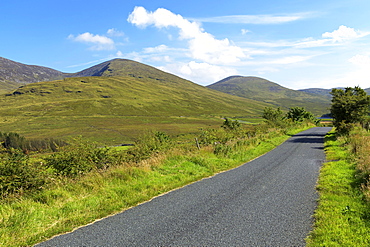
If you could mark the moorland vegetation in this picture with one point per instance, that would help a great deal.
(343, 213)
(59, 168)
(122, 100)
(47, 193)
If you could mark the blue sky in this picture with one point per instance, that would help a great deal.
(297, 44)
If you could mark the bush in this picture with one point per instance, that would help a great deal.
(149, 144)
(18, 174)
(79, 157)
(222, 149)
(230, 124)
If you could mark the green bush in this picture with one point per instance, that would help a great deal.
(149, 144)
(230, 124)
(222, 149)
(18, 174)
(79, 157)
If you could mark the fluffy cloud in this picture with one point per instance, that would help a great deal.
(99, 42)
(202, 45)
(344, 33)
(201, 73)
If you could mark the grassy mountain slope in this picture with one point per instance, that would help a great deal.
(317, 91)
(266, 91)
(13, 74)
(114, 109)
(324, 92)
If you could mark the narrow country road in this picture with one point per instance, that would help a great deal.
(266, 202)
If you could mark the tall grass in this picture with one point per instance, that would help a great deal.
(359, 141)
(343, 215)
(72, 201)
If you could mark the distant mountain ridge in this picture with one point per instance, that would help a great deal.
(269, 92)
(324, 92)
(14, 74)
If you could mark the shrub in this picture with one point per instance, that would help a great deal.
(230, 124)
(299, 114)
(222, 149)
(18, 174)
(149, 144)
(274, 117)
(79, 157)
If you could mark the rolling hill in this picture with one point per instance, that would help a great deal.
(115, 101)
(269, 92)
(13, 74)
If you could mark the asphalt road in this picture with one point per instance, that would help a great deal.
(266, 202)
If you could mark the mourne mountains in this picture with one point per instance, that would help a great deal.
(113, 102)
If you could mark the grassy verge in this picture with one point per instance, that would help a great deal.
(343, 216)
(74, 202)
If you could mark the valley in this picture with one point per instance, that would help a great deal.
(115, 101)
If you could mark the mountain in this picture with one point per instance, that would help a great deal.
(269, 92)
(122, 67)
(115, 101)
(325, 92)
(317, 91)
(13, 74)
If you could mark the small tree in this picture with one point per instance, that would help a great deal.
(349, 106)
(273, 116)
(298, 114)
(230, 124)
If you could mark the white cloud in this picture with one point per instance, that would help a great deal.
(357, 77)
(344, 33)
(166, 59)
(361, 60)
(335, 38)
(99, 42)
(201, 73)
(202, 45)
(115, 33)
(290, 60)
(160, 48)
(119, 54)
(245, 31)
(255, 19)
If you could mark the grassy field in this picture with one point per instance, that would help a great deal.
(343, 216)
(72, 202)
(108, 130)
(115, 110)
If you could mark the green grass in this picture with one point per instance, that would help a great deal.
(74, 202)
(116, 109)
(342, 217)
(108, 130)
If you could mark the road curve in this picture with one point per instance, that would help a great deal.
(266, 202)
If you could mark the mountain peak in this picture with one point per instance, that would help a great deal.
(14, 74)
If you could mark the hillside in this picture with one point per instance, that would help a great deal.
(269, 92)
(13, 74)
(114, 109)
(325, 92)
